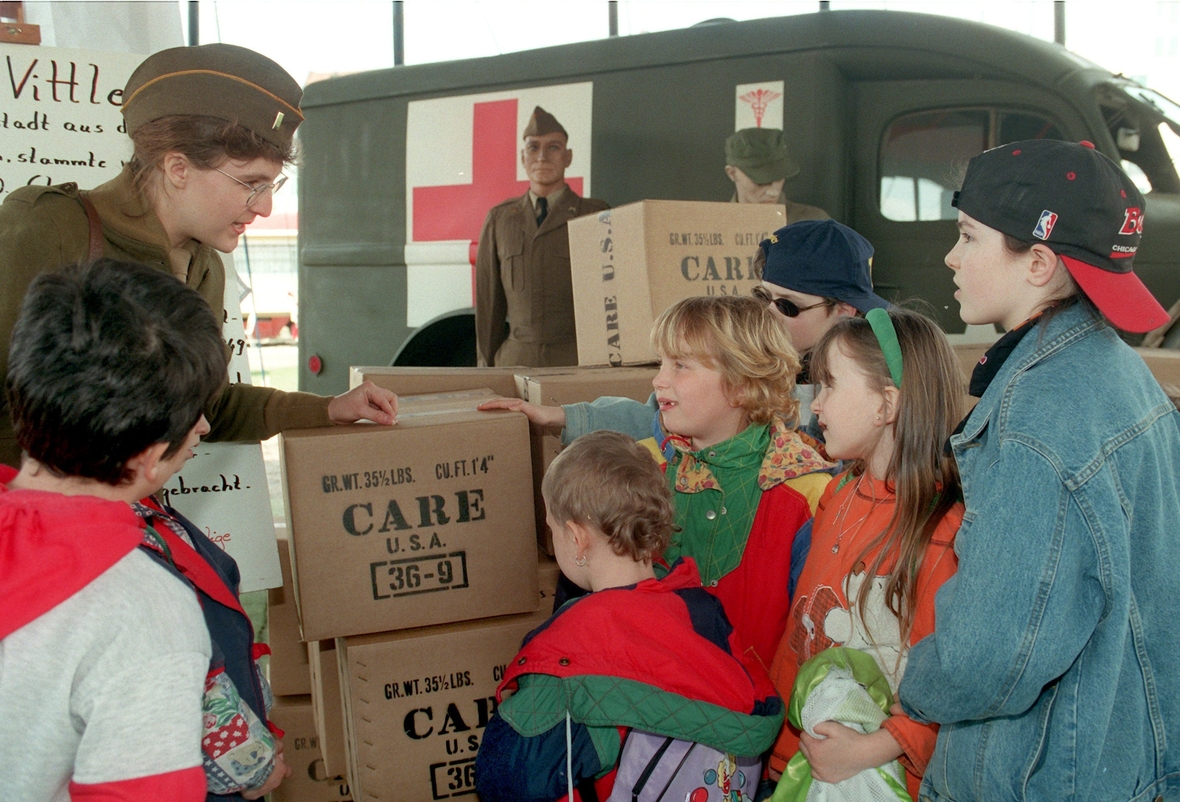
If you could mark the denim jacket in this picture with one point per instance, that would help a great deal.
(1054, 667)
(624, 415)
(642, 420)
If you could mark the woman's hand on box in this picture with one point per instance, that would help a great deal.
(545, 417)
(364, 402)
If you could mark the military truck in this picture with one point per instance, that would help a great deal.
(880, 109)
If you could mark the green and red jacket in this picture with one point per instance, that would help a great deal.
(659, 656)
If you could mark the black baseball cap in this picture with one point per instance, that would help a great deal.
(1081, 205)
(825, 258)
(760, 153)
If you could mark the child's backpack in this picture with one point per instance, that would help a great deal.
(656, 767)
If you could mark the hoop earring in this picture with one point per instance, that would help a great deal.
(581, 561)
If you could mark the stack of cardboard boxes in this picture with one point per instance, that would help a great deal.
(415, 574)
(293, 711)
(395, 531)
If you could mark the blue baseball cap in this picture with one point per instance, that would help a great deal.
(825, 258)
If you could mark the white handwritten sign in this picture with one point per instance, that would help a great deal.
(59, 122)
(59, 115)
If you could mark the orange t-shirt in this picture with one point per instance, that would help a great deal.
(822, 615)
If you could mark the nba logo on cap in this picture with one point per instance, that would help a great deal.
(1045, 225)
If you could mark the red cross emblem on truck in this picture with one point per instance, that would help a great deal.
(457, 211)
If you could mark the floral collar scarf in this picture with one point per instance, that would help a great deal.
(718, 489)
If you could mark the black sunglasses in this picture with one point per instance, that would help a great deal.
(788, 308)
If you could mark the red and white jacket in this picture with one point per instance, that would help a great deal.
(103, 656)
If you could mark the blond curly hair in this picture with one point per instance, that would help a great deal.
(740, 337)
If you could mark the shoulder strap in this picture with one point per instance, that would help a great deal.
(95, 248)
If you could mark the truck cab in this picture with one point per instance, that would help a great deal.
(881, 110)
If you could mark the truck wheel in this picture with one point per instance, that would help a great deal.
(448, 341)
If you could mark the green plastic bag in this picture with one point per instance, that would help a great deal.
(864, 708)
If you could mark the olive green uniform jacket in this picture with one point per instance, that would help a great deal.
(42, 228)
(522, 275)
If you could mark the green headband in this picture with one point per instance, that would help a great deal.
(887, 336)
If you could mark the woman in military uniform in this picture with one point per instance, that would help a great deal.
(212, 128)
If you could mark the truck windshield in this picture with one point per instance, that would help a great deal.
(1145, 126)
(923, 155)
(1165, 107)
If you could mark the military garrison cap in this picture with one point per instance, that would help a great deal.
(541, 123)
(217, 80)
(761, 154)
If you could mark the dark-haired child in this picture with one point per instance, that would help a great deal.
(103, 648)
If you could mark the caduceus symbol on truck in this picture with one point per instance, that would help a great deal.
(759, 99)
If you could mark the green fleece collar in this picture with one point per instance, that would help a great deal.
(598, 701)
(717, 494)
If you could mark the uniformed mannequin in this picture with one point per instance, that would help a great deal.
(212, 128)
(522, 270)
(757, 162)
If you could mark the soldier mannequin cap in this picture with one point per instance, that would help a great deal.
(541, 123)
(224, 81)
(761, 154)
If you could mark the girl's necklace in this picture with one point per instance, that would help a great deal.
(840, 523)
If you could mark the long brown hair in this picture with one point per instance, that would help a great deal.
(923, 477)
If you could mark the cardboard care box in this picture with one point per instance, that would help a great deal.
(1164, 364)
(419, 381)
(631, 263)
(288, 654)
(547, 575)
(327, 705)
(417, 703)
(425, 522)
(574, 386)
(308, 781)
